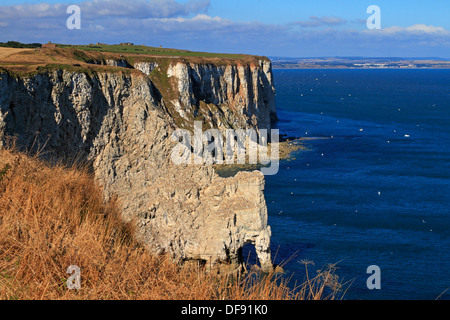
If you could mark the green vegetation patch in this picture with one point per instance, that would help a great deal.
(90, 70)
(141, 49)
(18, 45)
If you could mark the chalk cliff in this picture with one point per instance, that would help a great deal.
(121, 123)
(241, 95)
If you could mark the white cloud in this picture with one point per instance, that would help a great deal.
(41, 10)
(320, 21)
(427, 29)
(97, 9)
(415, 29)
(142, 9)
(198, 18)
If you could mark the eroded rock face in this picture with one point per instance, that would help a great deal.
(118, 123)
(112, 63)
(146, 67)
(243, 94)
(205, 217)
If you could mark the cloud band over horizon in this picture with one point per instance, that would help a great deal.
(189, 25)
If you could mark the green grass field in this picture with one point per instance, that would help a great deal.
(140, 49)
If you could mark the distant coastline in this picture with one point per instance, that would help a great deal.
(359, 63)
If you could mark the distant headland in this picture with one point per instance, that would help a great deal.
(360, 63)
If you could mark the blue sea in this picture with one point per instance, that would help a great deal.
(373, 186)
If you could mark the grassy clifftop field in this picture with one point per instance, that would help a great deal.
(22, 60)
(142, 49)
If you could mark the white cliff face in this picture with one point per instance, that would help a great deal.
(146, 67)
(243, 94)
(112, 63)
(119, 124)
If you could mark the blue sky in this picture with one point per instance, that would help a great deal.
(395, 12)
(273, 28)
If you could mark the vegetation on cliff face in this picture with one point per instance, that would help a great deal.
(52, 217)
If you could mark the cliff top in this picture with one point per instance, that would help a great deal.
(89, 58)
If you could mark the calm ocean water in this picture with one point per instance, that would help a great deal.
(377, 190)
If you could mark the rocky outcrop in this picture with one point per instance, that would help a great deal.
(242, 96)
(146, 67)
(118, 122)
(123, 63)
(215, 217)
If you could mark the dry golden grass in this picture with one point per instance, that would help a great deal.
(6, 52)
(52, 217)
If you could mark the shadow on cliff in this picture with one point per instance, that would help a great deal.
(41, 117)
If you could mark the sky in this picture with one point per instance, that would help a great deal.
(282, 28)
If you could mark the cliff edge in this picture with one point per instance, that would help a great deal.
(118, 112)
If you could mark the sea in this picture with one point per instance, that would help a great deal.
(372, 185)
